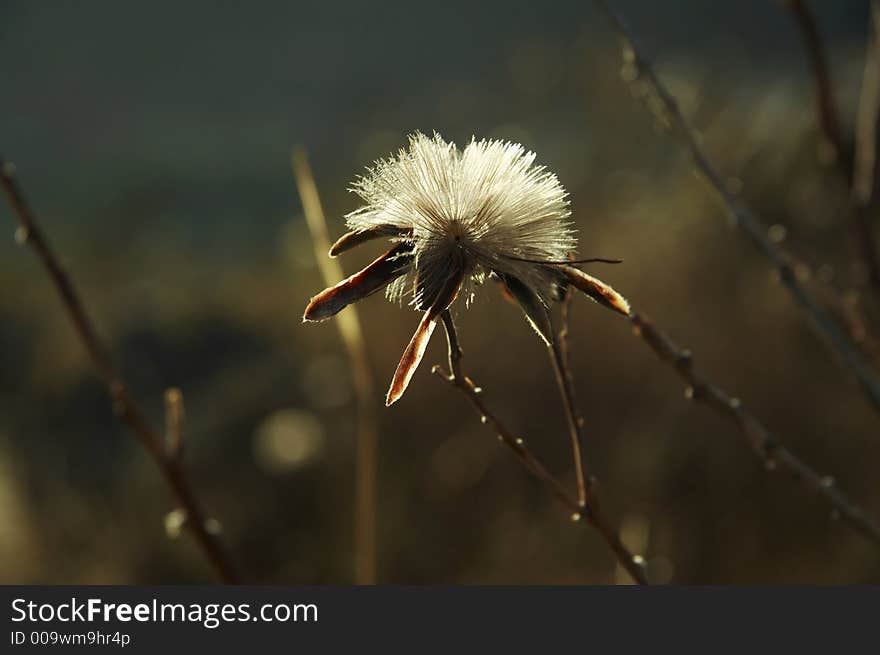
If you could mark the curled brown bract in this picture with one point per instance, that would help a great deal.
(414, 352)
(379, 274)
(355, 238)
(596, 289)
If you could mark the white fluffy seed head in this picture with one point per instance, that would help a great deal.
(484, 208)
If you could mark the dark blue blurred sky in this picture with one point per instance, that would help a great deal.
(198, 102)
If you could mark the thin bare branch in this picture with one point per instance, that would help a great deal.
(561, 358)
(743, 217)
(826, 106)
(30, 234)
(575, 424)
(764, 443)
(353, 338)
(829, 123)
(589, 510)
(174, 422)
(864, 163)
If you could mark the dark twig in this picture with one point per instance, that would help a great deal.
(174, 422)
(561, 358)
(589, 510)
(575, 424)
(826, 106)
(859, 170)
(864, 161)
(30, 234)
(829, 123)
(743, 217)
(564, 331)
(763, 442)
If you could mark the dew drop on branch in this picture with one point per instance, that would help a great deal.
(21, 235)
(174, 522)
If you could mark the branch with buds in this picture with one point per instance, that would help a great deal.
(857, 168)
(584, 507)
(743, 217)
(166, 453)
(764, 443)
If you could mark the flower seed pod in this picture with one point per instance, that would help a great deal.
(454, 218)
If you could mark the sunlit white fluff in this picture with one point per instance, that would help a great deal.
(486, 208)
(453, 217)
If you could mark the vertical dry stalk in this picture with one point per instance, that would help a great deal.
(588, 510)
(743, 217)
(575, 425)
(352, 336)
(864, 163)
(826, 106)
(124, 404)
(763, 442)
(559, 355)
(829, 122)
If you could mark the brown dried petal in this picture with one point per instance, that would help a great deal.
(411, 359)
(595, 289)
(351, 239)
(535, 311)
(374, 277)
(414, 352)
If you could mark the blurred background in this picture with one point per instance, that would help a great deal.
(153, 140)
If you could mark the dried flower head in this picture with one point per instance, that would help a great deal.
(455, 217)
